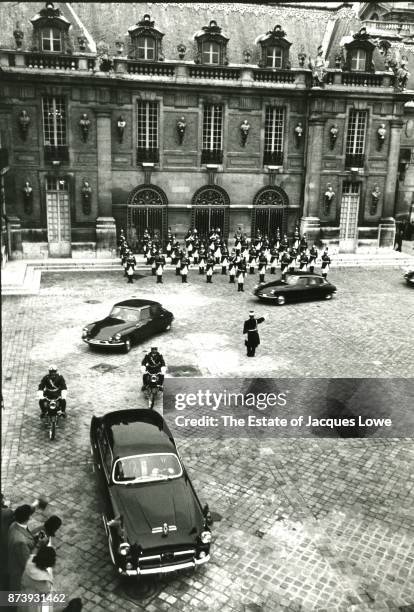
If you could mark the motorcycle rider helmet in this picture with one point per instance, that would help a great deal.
(52, 368)
(154, 348)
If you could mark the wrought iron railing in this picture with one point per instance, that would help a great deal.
(211, 157)
(354, 160)
(56, 153)
(148, 155)
(273, 158)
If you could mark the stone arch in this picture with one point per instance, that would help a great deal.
(211, 195)
(271, 195)
(147, 195)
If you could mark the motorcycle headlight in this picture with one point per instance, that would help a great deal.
(124, 549)
(205, 537)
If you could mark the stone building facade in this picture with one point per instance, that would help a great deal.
(176, 115)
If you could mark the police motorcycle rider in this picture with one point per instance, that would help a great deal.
(153, 363)
(52, 387)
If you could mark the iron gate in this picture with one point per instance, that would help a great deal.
(147, 209)
(269, 220)
(206, 219)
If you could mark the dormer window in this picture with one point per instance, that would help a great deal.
(358, 53)
(50, 31)
(51, 40)
(146, 48)
(146, 41)
(211, 45)
(210, 53)
(274, 49)
(358, 59)
(274, 57)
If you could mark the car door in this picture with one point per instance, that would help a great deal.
(146, 322)
(300, 290)
(158, 319)
(104, 467)
(313, 287)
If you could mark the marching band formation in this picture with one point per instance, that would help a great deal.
(212, 256)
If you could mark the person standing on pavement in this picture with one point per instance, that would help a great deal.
(326, 262)
(202, 260)
(240, 273)
(131, 262)
(210, 268)
(232, 267)
(37, 578)
(313, 256)
(21, 543)
(303, 261)
(284, 264)
(262, 267)
(159, 267)
(185, 263)
(252, 334)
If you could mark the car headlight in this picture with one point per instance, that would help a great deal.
(117, 337)
(124, 549)
(205, 537)
(85, 332)
(110, 339)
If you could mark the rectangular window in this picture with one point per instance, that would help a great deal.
(54, 121)
(358, 59)
(355, 142)
(146, 48)
(211, 53)
(147, 137)
(51, 40)
(212, 127)
(274, 57)
(274, 127)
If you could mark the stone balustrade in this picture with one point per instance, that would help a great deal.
(46, 61)
(150, 69)
(220, 73)
(274, 76)
(360, 79)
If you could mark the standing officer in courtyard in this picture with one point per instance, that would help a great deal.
(250, 328)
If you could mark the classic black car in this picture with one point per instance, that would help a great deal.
(298, 286)
(128, 322)
(409, 278)
(152, 516)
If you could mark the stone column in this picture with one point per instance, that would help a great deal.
(387, 233)
(310, 221)
(105, 223)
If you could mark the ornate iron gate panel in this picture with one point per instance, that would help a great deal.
(270, 211)
(210, 209)
(146, 209)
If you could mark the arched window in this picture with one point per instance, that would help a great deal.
(274, 49)
(210, 210)
(50, 30)
(359, 52)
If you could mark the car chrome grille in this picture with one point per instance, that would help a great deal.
(166, 558)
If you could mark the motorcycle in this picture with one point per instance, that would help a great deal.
(152, 389)
(53, 413)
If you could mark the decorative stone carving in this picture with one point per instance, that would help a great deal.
(244, 132)
(381, 134)
(181, 128)
(318, 65)
(375, 196)
(333, 135)
(86, 193)
(82, 43)
(84, 124)
(298, 133)
(28, 198)
(18, 36)
(104, 62)
(328, 197)
(24, 122)
(181, 48)
(120, 128)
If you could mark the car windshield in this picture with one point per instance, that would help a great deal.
(292, 280)
(126, 314)
(146, 468)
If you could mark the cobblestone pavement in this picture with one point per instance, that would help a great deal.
(302, 525)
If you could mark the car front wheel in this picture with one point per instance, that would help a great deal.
(281, 300)
(127, 346)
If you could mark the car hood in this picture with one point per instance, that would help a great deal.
(150, 505)
(101, 330)
(277, 283)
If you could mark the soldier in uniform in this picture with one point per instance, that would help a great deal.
(124, 258)
(175, 252)
(250, 329)
(284, 264)
(146, 238)
(196, 249)
(296, 239)
(262, 267)
(179, 256)
(210, 269)
(252, 258)
(153, 258)
(326, 262)
(274, 259)
(240, 273)
(313, 255)
(284, 244)
(293, 254)
(130, 267)
(232, 266)
(185, 262)
(202, 260)
(159, 266)
(153, 363)
(303, 243)
(168, 248)
(303, 261)
(224, 259)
